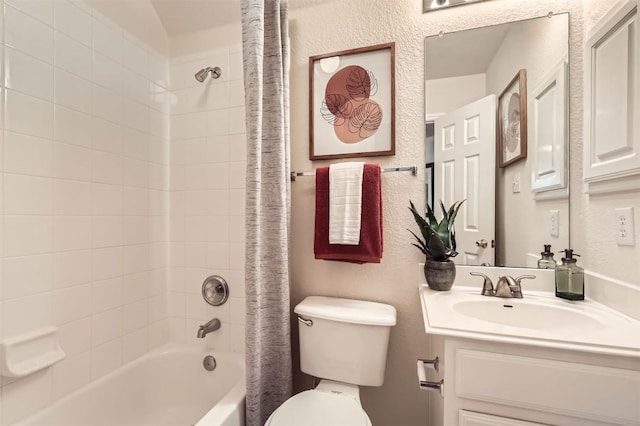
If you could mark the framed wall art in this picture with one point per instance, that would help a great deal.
(351, 103)
(512, 120)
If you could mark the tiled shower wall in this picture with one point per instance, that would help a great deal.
(207, 195)
(85, 181)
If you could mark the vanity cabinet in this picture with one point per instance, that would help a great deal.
(489, 383)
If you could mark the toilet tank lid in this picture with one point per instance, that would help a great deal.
(347, 310)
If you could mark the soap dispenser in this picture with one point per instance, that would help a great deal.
(547, 261)
(569, 278)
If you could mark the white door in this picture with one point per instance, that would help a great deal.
(464, 157)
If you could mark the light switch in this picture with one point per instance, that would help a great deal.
(516, 183)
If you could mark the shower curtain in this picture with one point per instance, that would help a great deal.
(266, 81)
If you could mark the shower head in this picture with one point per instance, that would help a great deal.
(202, 74)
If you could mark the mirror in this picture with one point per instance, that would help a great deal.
(496, 102)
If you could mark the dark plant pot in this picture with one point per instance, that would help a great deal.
(439, 275)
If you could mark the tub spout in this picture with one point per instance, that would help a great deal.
(208, 327)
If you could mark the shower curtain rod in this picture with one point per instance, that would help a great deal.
(412, 169)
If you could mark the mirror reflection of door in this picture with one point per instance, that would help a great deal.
(464, 157)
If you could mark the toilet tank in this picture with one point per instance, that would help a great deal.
(343, 339)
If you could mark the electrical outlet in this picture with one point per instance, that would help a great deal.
(625, 231)
(554, 223)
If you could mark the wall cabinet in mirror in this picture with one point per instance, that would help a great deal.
(524, 205)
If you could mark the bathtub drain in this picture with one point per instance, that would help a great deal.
(209, 363)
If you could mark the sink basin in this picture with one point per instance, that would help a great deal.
(525, 313)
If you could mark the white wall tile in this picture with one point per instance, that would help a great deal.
(238, 147)
(107, 39)
(135, 172)
(135, 344)
(71, 198)
(159, 123)
(158, 255)
(27, 275)
(106, 295)
(72, 20)
(107, 136)
(195, 255)
(236, 93)
(27, 195)
(28, 115)
(198, 229)
(106, 358)
(237, 338)
(107, 168)
(71, 304)
(107, 231)
(136, 258)
(136, 230)
(28, 34)
(135, 86)
(158, 307)
(135, 316)
(237, 173)
(71, 374)
(218, 122)
(136, 287)
(27, 155)
(135, 57)
(196, 308)
(219, 229)
(71, 55)
(107, 72)
(135, 115)
(28, 75)
(75, 336)
(71, 162)
(237, 310)
(72, 91)
(107, 263)
(26, 235)
(236, 256)
(39, 9)
(26, 314)
(158, 333)
(136, 201)
(158, 70)
(106, 104)
(107, 199)
(71, 268)
(106, 326)
(189, 126)
(236, 229)
(236, 202)
(237, 121)
(26, 396)
(72, 127)
(71, 233)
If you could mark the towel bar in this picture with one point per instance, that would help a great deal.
(412, 169)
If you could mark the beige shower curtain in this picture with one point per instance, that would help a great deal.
(266, 81)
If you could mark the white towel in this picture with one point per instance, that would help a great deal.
(345, 203)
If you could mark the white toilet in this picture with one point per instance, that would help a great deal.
(344, 343)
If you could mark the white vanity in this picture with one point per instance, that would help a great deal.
(529, 361)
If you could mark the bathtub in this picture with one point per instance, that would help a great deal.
(168, 386)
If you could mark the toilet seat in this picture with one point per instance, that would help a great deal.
(319, 408)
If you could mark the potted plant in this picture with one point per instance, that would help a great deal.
(438, 243)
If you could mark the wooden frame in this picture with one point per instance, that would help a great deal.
(512, 121)
(352, 103)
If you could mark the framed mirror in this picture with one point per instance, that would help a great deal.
(496, 93)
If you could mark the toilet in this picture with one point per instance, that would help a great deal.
(343, 342)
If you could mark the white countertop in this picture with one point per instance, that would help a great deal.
(539, 319)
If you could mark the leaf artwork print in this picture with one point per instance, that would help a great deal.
(348, 106)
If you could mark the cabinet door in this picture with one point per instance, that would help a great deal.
(469, 418)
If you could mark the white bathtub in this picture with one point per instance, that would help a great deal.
(168, 386)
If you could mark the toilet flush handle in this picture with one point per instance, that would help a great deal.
(305, 321)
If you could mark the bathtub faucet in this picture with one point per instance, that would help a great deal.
(208, 327)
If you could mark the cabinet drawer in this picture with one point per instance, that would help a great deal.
(566, 388)
(469, 418)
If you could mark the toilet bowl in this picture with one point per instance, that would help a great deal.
(330, 403)
(344, 343)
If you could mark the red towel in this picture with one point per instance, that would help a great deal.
(370, 248)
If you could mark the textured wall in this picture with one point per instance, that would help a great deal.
(333, 25)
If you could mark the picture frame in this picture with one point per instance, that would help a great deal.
(352, 103)
(512, 121)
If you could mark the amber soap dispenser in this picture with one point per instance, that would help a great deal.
(569, 278)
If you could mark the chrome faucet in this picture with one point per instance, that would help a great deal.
(510, 287)
(208, 327)
(487, 286)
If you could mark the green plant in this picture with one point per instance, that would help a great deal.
(439, 241)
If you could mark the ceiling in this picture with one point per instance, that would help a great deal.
(181, 17)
